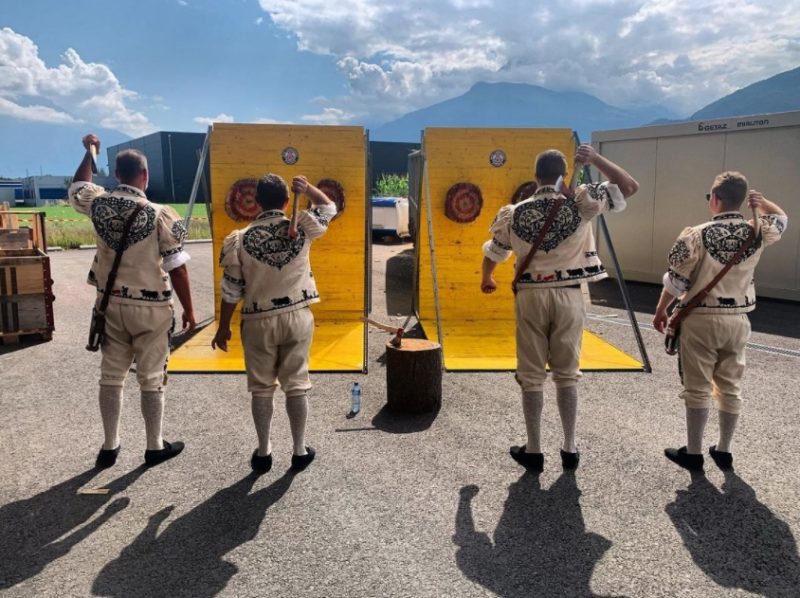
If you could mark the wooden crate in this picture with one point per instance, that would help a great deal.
(26, 285)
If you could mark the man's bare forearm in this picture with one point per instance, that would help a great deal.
(180, 283)
(317, 197)
(226, 311)
(84, 172)
(488, 268)
(770, 207)
(616, 175)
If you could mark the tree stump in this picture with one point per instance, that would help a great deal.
(414, 376)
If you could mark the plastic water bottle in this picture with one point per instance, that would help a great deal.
(355, 397)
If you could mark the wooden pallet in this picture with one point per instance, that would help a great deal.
(26, 286)
(15, 338)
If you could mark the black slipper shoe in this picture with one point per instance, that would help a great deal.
(723, 460)
(300, 462)
(570, 460)
(106, 458)
(684, 459)
(171, 449)
(530, 461)
(261, 464)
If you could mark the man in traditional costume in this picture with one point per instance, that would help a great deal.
(713, 336)
(266, 267)
(550, 311)
(139, 318)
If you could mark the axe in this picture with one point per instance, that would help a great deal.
(293, 222)
(398, 332)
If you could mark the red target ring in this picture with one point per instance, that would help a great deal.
(335, 193)
(524, 191)
(463, 203)
(240, 203)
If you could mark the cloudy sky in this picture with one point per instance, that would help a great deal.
(134, 67)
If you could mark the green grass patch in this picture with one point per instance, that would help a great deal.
(69, 229)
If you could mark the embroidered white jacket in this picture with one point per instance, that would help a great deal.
(153, 248)
(701, 251)
(568, 254)
(267, 270)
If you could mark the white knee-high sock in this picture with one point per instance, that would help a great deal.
(695, 426)
(262, 407)
(110, 398)
(567, 399)
(727, 426)
(297, 409)
(153, 413)
(532, 401)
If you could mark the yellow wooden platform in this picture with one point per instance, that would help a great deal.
(478, 329)
(338, 346)
(338, 259)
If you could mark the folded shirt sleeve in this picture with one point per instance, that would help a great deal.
(772, 227)
(81, 195)
(683, 258)
(597, 198)
(233, 284)
(498, 248)
(316, 219)
(171, 235)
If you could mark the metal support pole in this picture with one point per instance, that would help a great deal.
(198, 175)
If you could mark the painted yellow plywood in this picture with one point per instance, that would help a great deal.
(478, 329)
(337, 259)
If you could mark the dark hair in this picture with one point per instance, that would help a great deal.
(730, 187)
(130, 164)
(271, 192)
(550, 164)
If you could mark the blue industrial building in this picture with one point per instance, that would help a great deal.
(171, 161)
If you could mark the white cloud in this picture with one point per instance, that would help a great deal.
(328, 116)
(397, 57)
(272, 121)
(74, 91)
(183, 2)
(208, 120)
(34, 113)
(259, 20)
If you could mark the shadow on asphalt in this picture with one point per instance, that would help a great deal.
(735, 539)
(541, 546)
(394, 422)
(38, 530)
(771, 316)
(187, 557)
(399, 283)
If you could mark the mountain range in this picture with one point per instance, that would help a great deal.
(522, 105)
(30, 147)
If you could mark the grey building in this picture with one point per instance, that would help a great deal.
(171, 160)
(41, 190)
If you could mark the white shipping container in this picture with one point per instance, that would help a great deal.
(390, 216)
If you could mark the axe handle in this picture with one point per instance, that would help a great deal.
(756, 223)
(382, 326)
(293, 222)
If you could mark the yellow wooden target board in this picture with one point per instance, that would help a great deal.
(338, 259)
(478, 330)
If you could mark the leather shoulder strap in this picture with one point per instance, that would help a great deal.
(699, 297)
(112, 274)
(546, 226)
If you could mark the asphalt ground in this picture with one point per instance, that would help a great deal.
(393, 506)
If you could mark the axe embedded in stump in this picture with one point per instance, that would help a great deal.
(398, 332)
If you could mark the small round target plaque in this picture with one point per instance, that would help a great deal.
(497, 158)
(290, 155)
